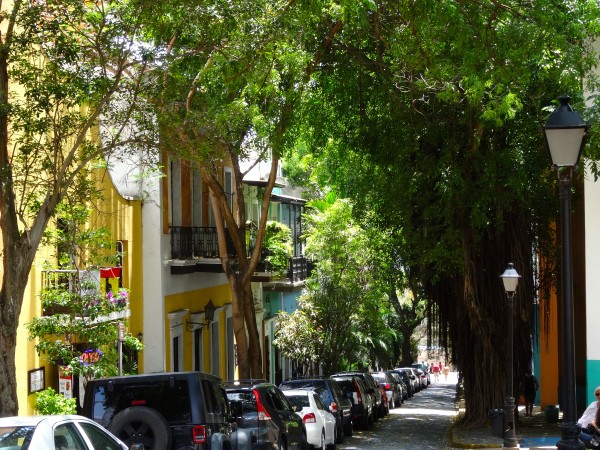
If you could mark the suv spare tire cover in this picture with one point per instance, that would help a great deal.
(140, 424)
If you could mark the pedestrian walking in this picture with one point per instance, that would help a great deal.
(529, 386)
(436, 372)
(445, 372)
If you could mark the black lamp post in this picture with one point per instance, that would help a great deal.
(565, 134)
(510, 279)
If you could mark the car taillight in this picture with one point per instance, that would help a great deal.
(260, 408)
(309, 418)
(387, 387)
(199, 434)
(358, 396)
(333, 407)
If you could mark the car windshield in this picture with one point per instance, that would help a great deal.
(15, 437)
(317, 386)
(299, 401)
(380, 377)
(346, 385)
(247, 400)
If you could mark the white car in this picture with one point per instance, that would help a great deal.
(319, 422)
(60, 432)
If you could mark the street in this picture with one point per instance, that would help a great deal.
(421, 422)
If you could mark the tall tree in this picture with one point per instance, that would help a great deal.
(340, 320)
(233, 75)
(64, 65)
(438, 104)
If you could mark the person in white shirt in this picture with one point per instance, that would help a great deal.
(589, 420)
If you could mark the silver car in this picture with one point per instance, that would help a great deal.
(60, 432)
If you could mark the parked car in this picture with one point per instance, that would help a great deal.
(379, 408)
(412, 379)
(421, 377)
(426, 370)
(319, 422)
(166, 411)
(60, 432)
(404, 376)
(331, 394)
(392, 390)
(264, 416)
(357, 391)
(401, 384)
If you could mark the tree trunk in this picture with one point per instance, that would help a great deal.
(254, 349)
(239, 329)
(17, 261)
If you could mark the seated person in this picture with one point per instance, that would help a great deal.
(589, 420)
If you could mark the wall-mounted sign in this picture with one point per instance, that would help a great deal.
(36, 380)
(65, 381)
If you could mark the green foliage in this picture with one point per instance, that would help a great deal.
(278, 248)
(49, 402)
(427, 116)
(80, 321)
(342, 309)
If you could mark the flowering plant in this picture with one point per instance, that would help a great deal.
(117, 301)
(90, 356)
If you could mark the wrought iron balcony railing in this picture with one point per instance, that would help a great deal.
(188, 243)
(197, 242)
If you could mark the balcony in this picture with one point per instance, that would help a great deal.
(196, 249)
(197, 242)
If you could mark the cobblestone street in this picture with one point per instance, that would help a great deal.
(422, 422)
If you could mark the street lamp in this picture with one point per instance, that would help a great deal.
(510, 279)
(565, 134)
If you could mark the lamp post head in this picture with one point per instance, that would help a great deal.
(565, 134)
(510, 279)
(209, 311)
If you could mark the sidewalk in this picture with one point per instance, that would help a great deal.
(532, 432)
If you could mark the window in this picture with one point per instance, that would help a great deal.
(196, 199)
(215, 357)
(198, 363)
(320, 403)
(99, 439)
(176, 213)
(230, 349)
(66, 437)
(177, 353)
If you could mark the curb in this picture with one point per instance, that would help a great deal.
(457, 444)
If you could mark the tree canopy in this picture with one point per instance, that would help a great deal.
(64, 67)
(427, 114)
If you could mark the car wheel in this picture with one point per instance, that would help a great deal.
(333, 446)
(340, 433)
(366, 421)
(349, 428)
(322, 445)
(142, 425)
(281, 445)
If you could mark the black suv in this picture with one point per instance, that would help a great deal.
(355, 389)
(166, 411)
(333, 397)
(379, 406)
(264, 416)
